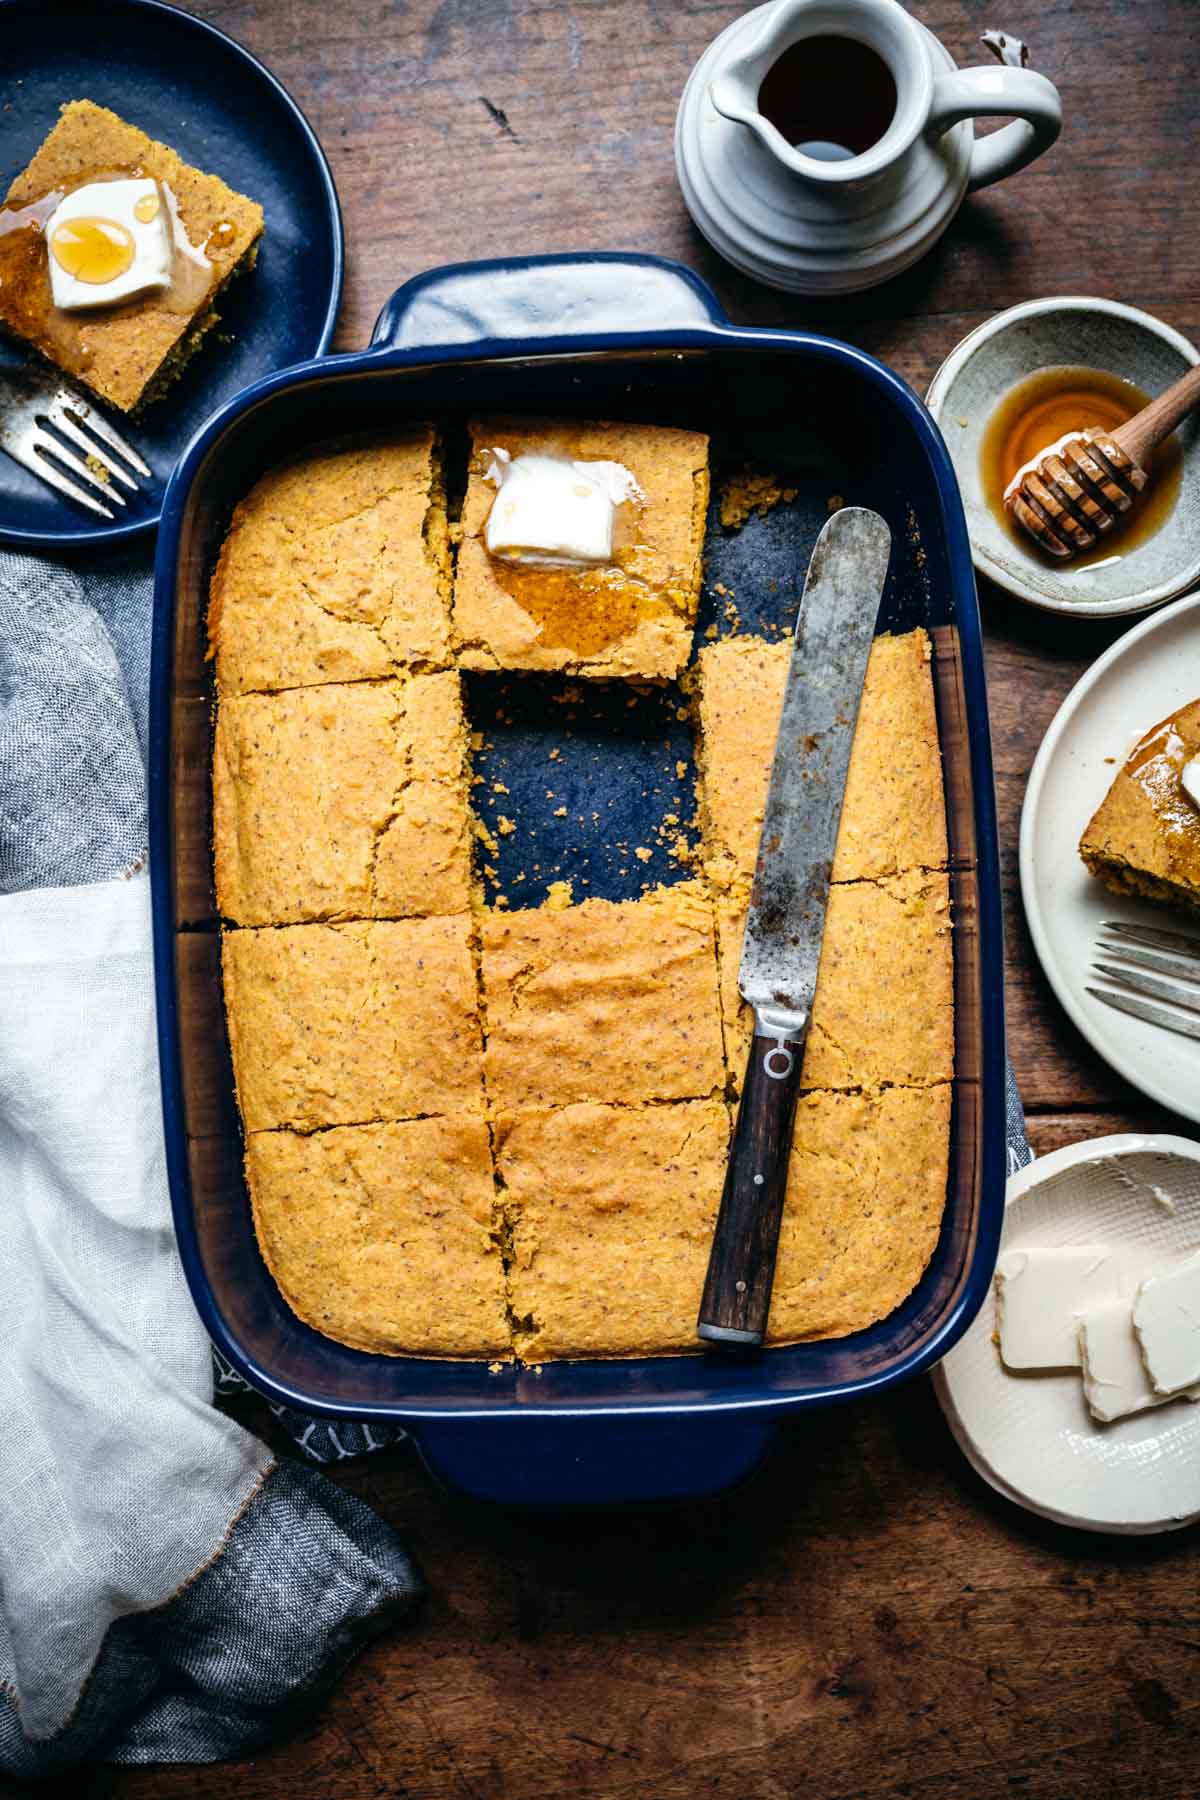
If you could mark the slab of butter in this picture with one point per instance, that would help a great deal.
(1115, 1382)
(1040, 1295)
(553, 513)
(1166, 1317)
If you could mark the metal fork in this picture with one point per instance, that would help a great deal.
(34, 408)
(1151, 965)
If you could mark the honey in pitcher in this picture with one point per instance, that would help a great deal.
(1050, 405)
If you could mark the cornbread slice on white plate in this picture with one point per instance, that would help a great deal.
(1031, 1436)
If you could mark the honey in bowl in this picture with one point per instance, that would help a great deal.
(1052, 404)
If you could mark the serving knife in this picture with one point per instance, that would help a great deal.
(781, 947)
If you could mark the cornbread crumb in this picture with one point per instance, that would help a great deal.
(749, 492)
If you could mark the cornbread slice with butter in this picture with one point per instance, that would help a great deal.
(631, 618)
(342, 802)
(127, 354)
(1144, 837)
(335, 568)
(608, 1001)
(611, 1212)
(882, 939)
(353, 1024)
(382, 1236)
(893, 813)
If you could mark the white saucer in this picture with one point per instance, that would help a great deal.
(1152, 669)
(1031, 1437)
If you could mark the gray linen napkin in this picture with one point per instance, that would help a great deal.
(231, 1652)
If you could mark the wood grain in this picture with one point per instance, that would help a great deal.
(866, 1619)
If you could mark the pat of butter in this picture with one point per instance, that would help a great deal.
(552, 513)
(1190, 777)
(1166, 1317)
(108, 241)
(1039, 1297)
(1115, 1382)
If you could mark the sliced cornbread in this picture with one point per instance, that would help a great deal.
(604, 1001)
(353, 1024)
(632, 618)
(342, 802)
(382, 1235)
(866, 1190)
(1144, 838)
(611, 1213)
(884, 1005)
(336, 568)
(127, 353)
(893, 814)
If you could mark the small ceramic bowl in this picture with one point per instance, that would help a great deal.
(1102, 334)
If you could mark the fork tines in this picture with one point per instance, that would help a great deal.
(1150, 965)
(39, 421)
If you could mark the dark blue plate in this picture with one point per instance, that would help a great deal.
(195, 89)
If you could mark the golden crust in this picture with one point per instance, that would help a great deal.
(381, 1236)
(629, 621)
(893, 814)
(353, 1024)
(335, 568)
(866, 1191)
(614, 1002)
(1144, 837)
(341, 802)
(611, 1213)
(884, 1005)
(121, 354)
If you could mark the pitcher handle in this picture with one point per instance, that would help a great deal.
(1032, 101)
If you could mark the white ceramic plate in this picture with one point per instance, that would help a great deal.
(991, 360)
(1031, 1436)
(1152, 669)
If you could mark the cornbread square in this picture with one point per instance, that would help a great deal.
(1144, 837)
(340, 802)
(866, 1190)
(629, 619)
(611, 1213)
(130, 353)
(893, 813)
(883, 1011)
(353, 1024)
(335, 568)
(381, 1236)
(605, 1001)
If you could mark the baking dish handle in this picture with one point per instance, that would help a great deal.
(521, 297)
(574, 1460)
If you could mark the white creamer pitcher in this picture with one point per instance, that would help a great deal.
(891, 154)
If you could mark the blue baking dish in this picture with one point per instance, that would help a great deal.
(598, 336)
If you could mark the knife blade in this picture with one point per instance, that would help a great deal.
(781, 947)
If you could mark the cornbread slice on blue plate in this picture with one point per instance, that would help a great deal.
(631, 618)
(608, 1001)
(342, 802)
(611, 1212)
(335, 568)
(382, 1236)
(127, 353)
(353, 1024)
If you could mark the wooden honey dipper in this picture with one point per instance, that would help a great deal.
(1076, 489)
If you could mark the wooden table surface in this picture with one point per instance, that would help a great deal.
(866, 1618)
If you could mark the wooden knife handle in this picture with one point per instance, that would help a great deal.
(741, 1265)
